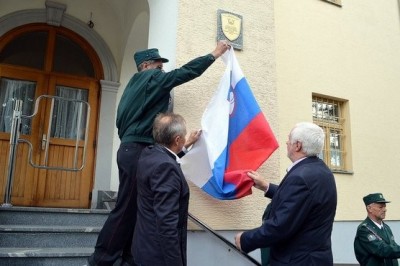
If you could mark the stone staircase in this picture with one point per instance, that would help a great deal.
(66, 237)
(48, 236)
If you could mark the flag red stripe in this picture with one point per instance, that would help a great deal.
(253, 146)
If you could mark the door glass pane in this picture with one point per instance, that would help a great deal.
(70, 58)
(69, 117)
(26, 50)
(10, 91)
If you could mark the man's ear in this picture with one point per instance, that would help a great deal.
(145, 65)
(298, 146)
(176, 140)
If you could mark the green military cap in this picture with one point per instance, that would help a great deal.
(375, 197)
(146, 55)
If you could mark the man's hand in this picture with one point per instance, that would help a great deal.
(193, 137)
(222, 47)
(237, 240)
(259, 181)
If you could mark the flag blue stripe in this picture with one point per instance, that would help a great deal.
(246, 108)
(227, 192)
(216, 186)
(219, 167)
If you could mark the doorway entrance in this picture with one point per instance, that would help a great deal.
(35, 60)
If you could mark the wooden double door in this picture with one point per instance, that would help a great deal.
(52, 139)
(39, 59)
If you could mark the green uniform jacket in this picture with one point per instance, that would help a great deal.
(374, 246)
(148, 93)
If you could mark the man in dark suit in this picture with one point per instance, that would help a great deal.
(163, 197)
(299, 226)
(374, 243)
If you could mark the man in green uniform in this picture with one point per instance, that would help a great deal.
(146, 95)
(374, 242)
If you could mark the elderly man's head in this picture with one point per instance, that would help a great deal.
(169, 129)
(375, 204)
(305, 139)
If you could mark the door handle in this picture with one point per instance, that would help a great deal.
(44, 141)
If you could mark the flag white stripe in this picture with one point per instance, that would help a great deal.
(197, 165)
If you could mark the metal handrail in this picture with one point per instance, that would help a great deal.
(14, 140)
(223, 239)
(14, 136)
(75, 168)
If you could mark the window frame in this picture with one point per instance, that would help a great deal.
(334, 120)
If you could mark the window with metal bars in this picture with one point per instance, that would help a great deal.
(328, 114)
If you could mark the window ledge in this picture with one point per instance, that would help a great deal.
(345, 172)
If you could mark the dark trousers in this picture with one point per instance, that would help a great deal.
(115, 238)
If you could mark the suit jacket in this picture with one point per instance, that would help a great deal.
(163, 200)
(298, 229)
(374, 246)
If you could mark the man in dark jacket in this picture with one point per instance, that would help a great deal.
(374, 243)
(146, 95)
(163, 197)
(299, 226)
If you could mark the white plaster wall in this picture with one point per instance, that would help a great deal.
(351, 52)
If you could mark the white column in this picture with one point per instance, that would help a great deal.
(104, 159)
(163, 28)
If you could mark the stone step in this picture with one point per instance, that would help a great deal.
(46, 228)
(76, 256)
(17, 236)
(52, 216)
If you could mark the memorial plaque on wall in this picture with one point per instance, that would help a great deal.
(230, 28)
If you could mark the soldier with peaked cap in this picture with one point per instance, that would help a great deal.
(374, 243)
(146, 95)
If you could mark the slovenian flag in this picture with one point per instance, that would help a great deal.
(235, 138)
